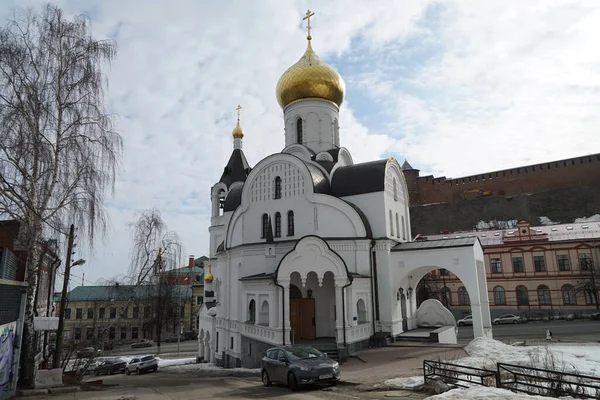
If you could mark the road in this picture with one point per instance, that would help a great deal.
(563, 330)
(187, 346)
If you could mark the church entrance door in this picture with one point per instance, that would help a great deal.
(302, 319)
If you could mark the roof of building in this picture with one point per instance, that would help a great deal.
(553, 233)
(436, 244)
(119, 292)
(237, 168)
(233, 199)
(257, 277)
(360, 178)
(184, 271)
(406, 166)
(363, 217)
(320, 181)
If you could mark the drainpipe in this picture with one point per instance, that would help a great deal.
(282, 308)
(344, 307)
(373, 284)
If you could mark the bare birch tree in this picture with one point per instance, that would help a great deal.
(58, 149)
(155, 248)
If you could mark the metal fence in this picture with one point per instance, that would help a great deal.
(457, 374)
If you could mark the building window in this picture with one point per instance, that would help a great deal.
(290, 223)
(113, 313)
(67, 313)
(265, 225)
(499, 296)
(444, 272)
(522, 296)
(134, 332)
(135, 313)
(199, 300)
(299, 130)
(89, 333)
(79, 313)
(391, 224)
(277, 188)
(403, 229)
(77, 333)
(463, 296)
(101, 313)
(101, 333)
(111, 333)
(252, 312)
(591, 296)
(147, 312)
(90, 313)
(518, 264)
(395, 189)
(277, 224)
(540, 263)
(397, 225)
(544, 295)
(123, 333)
(361, 311)
(585, 261)
(231, 344)
(569, 295)
(496, 265)
(563, 262)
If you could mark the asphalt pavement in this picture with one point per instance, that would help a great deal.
(578, 330)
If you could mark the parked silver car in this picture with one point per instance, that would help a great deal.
(468, 320)
(141, 364)
(301, 365)
(508, 319)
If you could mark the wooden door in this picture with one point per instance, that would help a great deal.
(295, 319)
(308, 319)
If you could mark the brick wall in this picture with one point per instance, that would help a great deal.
(573, 172)
(561, 205)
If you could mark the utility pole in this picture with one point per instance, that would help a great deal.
(63, 301)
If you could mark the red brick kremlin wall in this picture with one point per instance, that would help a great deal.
(573, 172)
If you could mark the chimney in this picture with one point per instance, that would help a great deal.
(192, 261)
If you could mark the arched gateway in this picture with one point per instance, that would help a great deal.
(313, 276)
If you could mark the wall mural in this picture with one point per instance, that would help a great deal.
(7, 335)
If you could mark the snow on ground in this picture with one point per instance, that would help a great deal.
(187, 367)
(483, 393)
(593, 218)
(405, 383)
(176, 361)
(485, 352)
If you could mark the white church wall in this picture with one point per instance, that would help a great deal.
(319, 123)
(396, 203)
(372, 205)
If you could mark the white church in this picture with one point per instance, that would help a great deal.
(308, 247)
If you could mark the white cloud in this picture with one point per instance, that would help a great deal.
(459, 87)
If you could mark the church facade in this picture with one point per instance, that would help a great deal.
(309, 247)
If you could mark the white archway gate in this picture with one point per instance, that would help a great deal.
(463, 257)
(316, 268)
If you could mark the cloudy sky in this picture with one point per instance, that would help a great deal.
(455, 87)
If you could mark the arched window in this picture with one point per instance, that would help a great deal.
(544, 295)
(252, 312)
(395, 189)
(265, 225)
(277, 194)
(463, 296)
(499, 296)
(391, 224)
(397, 226)
(591, 298)
(403, 229)
(263, 316)
(522, 296)
(277, 224)
(569, 295)
(361, 311)
(447, 297)
(290, 223)
(299, 130)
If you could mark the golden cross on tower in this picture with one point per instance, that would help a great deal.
(238, 108)
(307, 17)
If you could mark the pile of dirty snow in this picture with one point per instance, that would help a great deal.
(405, 383)
(484, 393)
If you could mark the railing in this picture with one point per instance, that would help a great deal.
(547, 382)
(359, 332)
(454, 373)
(262, 333)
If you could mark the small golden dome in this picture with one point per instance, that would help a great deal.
(310, 78)
(208, 278)
(238, 133)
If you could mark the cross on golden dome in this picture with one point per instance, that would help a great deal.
(307, 18)
(238, 133)
(238, 108)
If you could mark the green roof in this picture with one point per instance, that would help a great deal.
(185, 271)
(117, 293)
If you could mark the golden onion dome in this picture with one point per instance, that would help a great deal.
(310, 78)
(238, 133)
(208, 278)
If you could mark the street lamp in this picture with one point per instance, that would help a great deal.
(81, 261)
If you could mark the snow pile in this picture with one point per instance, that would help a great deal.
(547, 221)
(593, 218)
(483, 393)
(405, 383)
(176, 361)
(485, 353)
(210, 367)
